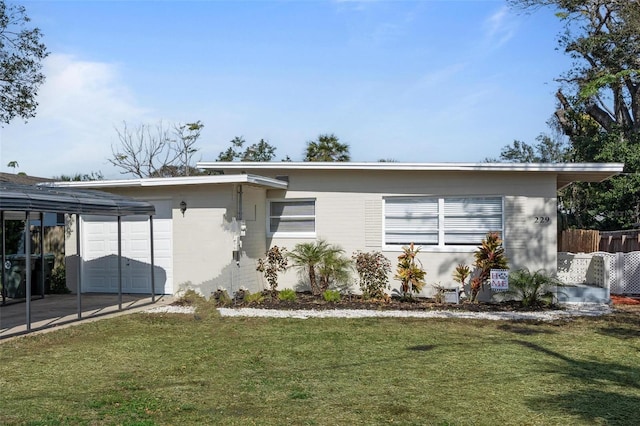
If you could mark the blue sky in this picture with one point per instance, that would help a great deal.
(428, 81)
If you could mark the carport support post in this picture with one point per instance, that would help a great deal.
(153, 276)
(4, 259)
(79, 267)
(27, 267)
(119, 263)
(42, 269)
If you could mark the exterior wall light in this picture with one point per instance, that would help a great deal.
(183, 207)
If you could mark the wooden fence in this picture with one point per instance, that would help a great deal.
(589, 241)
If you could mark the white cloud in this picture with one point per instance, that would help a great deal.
(499, 28)
(79, 105)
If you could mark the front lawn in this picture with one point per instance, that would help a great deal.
(145, 369)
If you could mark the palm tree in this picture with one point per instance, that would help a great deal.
(316, 259)
(327, 148)
(334, 268)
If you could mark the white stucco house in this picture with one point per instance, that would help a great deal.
(209, 231)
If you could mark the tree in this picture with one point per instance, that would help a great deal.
(21, 56)
(319, 259)
(261, 151)
(327, 148)
(547, 150)
(80, 177)
(599, 105)
(157, 151)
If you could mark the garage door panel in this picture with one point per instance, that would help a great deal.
(100, 250)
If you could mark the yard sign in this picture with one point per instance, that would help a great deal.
(499, 279)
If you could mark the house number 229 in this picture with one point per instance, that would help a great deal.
(542, 219)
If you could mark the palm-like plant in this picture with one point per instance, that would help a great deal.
(317, 258)
(532, 289)
(490, 255)
(334, 269)
(409, 271)
(327, 148)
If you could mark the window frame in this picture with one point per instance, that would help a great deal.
(440, 246)
(286, 234)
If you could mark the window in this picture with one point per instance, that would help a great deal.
(294, 217)
(441, 221)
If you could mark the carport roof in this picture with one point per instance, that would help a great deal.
(45, 198)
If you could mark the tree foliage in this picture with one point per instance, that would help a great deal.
(21, 56)
(157, 151)
(324, 264)
(261, 151)
(599, 105)
(546, 150)
(327, 148)
(80, 177)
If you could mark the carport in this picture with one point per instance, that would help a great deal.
(28, 202)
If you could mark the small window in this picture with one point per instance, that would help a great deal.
(292, 217)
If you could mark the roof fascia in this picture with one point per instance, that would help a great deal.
(262, 181)
(508, 167)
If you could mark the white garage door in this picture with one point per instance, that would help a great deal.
(100, 253)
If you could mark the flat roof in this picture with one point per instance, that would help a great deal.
(179, 181)
(566, 172)
(45, 198)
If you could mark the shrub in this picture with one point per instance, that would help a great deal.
(532, 289)
(287, 295)
(276, 261)
(373, 269)
(319, 259)
(490, 255)
(221, 297)
(254, 298)
(331, 296)
(190, 298)
(409, 271)
(59, 281)
(241, 294)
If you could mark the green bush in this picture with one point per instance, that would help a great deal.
(254, 298)
(287, 295)
(190, 298)
(325, 264)
(59, 281)
(331, 296)
(533, 289)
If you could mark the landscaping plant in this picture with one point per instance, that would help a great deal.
(490, 255)
(334, 269)
(287, 295)
(373, 269)
(331, 296)
(320, 259)
(532, 289)
(276, 261)
(221, 297)
(409, 271)
(461, 274)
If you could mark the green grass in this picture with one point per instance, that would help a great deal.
(144, 369)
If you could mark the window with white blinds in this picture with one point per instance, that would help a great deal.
(441, 221)
(295, 217)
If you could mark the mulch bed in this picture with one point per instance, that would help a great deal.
(624, 300)
(308, 301)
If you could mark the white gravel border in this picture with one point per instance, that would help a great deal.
(571, 310)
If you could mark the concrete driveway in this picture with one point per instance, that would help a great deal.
(56, 310)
